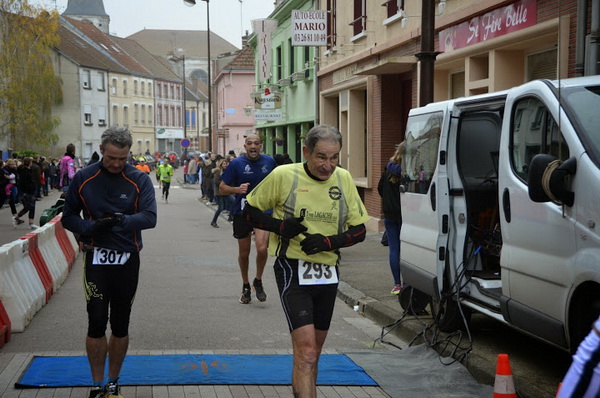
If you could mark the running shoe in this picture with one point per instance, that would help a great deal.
(396, 289)
(259, 290)
(112, 390)
(214, 224)
(32, 226)
(96, 392)
(246, 298)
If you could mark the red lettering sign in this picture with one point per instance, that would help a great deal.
(496, 23)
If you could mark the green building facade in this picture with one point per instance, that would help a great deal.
(289, 77)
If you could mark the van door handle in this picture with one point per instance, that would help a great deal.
(432, 196)
(506, 204)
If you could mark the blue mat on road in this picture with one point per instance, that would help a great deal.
(334, 370)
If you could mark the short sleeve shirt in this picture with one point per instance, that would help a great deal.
(242, 170)
(329, 207)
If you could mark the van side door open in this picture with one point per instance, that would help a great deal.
(419, 219)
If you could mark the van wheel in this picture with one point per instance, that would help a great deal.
(448, 315)
(413, 301)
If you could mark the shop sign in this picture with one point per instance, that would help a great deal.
(309, 28)
(496, 23)
(169, 133)
(264, 29)
(344, 74)
(267, 115)
(267, 99)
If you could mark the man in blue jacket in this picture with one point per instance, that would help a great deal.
(107, 206)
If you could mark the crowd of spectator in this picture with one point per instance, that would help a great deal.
(25, 180)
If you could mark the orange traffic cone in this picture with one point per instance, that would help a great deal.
(558, 389)
(503, 385)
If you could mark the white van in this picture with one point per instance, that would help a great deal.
(492, 223)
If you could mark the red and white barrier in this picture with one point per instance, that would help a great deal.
(50, 250)
(33, 268)
(4, 326)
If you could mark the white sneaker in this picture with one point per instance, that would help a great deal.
(33, 226)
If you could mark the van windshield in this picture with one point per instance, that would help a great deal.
(582, 105)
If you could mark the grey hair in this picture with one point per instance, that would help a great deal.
(319, 133)
(117, 136)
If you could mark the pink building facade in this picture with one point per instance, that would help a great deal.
(233, 86)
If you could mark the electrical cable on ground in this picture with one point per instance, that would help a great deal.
(431, 333)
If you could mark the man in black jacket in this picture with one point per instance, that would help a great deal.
(117, 201)
(26, 186)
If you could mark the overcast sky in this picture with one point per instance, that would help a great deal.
(230, 19)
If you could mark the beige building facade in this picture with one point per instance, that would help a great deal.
(370, 75)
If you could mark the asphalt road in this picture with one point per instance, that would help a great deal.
(187, 296)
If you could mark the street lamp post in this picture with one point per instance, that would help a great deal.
(181, 58)
(183, 98)
(191, 3)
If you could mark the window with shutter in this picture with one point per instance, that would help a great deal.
(542, 65)
(87, 115)
(101, 116)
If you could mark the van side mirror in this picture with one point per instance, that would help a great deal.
(548, 179)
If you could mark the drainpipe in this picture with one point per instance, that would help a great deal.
(315, 6)
(427, 55)
(580, 37)
(594, 55)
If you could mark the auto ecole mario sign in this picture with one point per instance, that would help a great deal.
(309, 28)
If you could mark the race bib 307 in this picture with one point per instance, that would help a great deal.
(104, 256)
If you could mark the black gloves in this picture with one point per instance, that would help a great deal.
(291, 227)
(109, 221)
(315, 243)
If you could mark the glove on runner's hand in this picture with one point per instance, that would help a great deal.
(315, 243)
(109, 221)
(291, 227)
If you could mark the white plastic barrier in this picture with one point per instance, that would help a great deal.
(15, 300)
(27, 284)
(32, 269)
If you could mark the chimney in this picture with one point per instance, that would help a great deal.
(245, 40)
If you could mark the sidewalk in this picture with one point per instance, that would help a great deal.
(8, 233)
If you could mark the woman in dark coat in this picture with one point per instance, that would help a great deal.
(389, 190)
